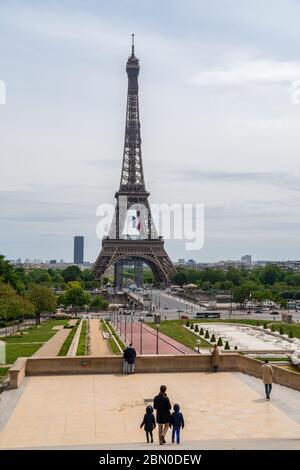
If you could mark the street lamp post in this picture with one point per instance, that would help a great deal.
(141, 335)
(157, 328)
(230, 309)
(131, 315)
(125, 324)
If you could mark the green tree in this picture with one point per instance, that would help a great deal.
(71, 273)
(13, 307)
(99, 303)
(180, 278)
(227, 285)
(234, 275)
(271, 274)
(9, 275)
(39, 276)
(240, 295)
(261, 295)
(283, 303)
(42, 298)
(75, 296)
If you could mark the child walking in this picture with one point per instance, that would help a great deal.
(149, 423)
(176, 423)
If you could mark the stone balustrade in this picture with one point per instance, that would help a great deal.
(230, 362)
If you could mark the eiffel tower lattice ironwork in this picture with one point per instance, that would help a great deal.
(118, 246)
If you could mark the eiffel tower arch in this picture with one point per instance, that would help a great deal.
(145, 246)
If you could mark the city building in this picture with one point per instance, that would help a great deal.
(78, 249)
(246, 260)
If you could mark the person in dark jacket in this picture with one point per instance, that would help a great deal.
(130, 355)
(149, 423)
(125, 363)
(177, 422)
(162, 406)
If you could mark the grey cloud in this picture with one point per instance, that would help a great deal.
(275, 178)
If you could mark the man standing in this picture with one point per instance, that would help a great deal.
(130, 356)
(267, 375)
(162, 406)
(125, 363)
(215, 358)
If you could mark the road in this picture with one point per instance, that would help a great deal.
(168, 305)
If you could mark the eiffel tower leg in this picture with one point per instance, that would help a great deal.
(138, 272)
(118, 271)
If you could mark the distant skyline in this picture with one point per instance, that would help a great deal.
(219, 126)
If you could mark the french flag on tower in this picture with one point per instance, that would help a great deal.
(136, 221)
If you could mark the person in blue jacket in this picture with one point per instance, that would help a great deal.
(176, 422)
(149, 423)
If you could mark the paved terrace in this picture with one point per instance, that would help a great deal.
(223, 410)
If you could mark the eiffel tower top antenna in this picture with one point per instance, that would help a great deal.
(132, 45)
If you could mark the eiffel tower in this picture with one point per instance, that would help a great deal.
(144, 246)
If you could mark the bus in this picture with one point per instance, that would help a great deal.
(207, 315)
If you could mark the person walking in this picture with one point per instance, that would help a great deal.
(267, 374)
(130, 355)
(215, 358)
(176, 422)
(162, 406)
(125, 363)
(149, 423)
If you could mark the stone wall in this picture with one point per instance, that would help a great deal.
(17, 372)
(230, 362)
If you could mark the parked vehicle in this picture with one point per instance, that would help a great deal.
(184, 317)
(258, 310)
(207, 315)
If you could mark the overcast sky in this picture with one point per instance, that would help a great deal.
(218, 123)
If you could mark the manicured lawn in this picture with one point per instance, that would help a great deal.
(27, 344)
(3, 371)
(113, 347)
(13, 351)
(81, 349)
(273, 359)
(111, 343)
(103, 326)
(36, 334)
(66, 346)
(175, 329)
(122, 345)
(295, 328)
(292, 368)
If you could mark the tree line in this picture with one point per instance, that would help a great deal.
(28, 294)
(260, 283)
